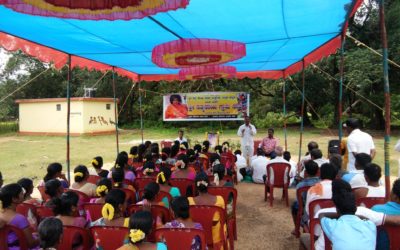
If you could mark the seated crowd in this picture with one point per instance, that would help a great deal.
(142, 192)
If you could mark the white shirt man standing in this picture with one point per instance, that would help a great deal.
(357, 142)
(247, 131)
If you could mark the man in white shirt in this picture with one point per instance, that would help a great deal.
(372, 174)
(293, 166)
(180, 137)
(240, 164)
(246, 132)
(357, 142)
(300, 165)
(316, 155)
(259, 166)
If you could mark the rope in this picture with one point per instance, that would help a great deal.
(105, 73)
(126, 99)
(312, 108)
(145, 90)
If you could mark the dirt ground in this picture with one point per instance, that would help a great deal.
(261, 226)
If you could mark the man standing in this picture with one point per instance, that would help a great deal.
(357, 142)
(269, 144)
(247, 131)
(180, 137)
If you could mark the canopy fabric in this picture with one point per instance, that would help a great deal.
(280, 35)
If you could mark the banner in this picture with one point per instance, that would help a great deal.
(205, 106)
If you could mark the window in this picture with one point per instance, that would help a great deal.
(108, 106)
(58, 107)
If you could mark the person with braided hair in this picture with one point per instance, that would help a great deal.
(162, 179)
(140, 226)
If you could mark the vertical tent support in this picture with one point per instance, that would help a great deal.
(115, 110)
(387, 96)
(140, 111)
(302, 109)
(284, 111)
(68, 114)
(340, 100)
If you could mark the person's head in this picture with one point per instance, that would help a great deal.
(104, 185)
(147, 144)
(97, 162)
(122, 160)
(218, 149)
(219, 169)
(27, 184)
(182, 161)
(271, 132)
(278, 150)
(201, 182)
(328, 172)
(260, 152)
(114, 204)
(336, 160)
(286, 155)
(53, 188)
(66, 204)
(155, 149)
(53, 171)
(214, 157)
(134, 150)
(352, 124)
(343, 197)
(197, 148)
(11, 195)
(312, 145)
(151, 191)
(140, 225)
(361, 160)
(247, 120)
(191, 154)
(141, 149)
(372, 173)
(316, 154)
(50, 233)
(180, 207)
(81, 173)
(166, 151)
(206, 146)
(118, 176)
(311, 168)
(163, 176)
(238, 152)
(174, 150)
(180, 134)
(175, 99)
(395, 194)
(149, 168)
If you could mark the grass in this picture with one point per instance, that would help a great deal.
(28, 156)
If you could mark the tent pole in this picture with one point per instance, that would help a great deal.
(340, 101)
(284, 111)
(115, 109)
(68, 115)
(302, 110)
(387, 96)
(140, 111)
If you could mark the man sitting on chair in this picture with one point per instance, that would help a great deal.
(269, 144)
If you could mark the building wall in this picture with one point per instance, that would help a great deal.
(97, 118)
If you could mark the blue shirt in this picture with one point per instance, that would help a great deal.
(350, 232)
(310, 181)
(389, 208)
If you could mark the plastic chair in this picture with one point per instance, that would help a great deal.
(93, 179)
(185, 236)
(313, 208)
(44, 212)
(299, 196)
(166, 144)
(141, 182)
(393, 235)
(227, 193)
(26, 208)
(93, 211)
(82, 196)
(109, 238)
(70, 233)
(130, 196)
(369, 202)
(360, 192)
(183, 185)
(4, 231)
(204, 215)
(256, 145)
(161, 195)
(45, 197)
(204, 162)
(278, 177)
(157, 211)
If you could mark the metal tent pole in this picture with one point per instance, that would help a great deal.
(140, 111)
(387, 96)
(302, 110)
(115, 110)
(68, 115)
(340, 107)
(284, 111)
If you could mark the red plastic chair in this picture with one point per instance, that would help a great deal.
(130, 196)
(393, 234)
(109, 238)
(4, 231)
(185, 236)
(25, 208)
(45, 197)
(278, 177)
(204, 162)
(183, 185)
(166, 144)
(226, 193)
(256, 144)
(299, 195)
(313, 208)
(204, 215)
(141, 182)
(93, 179)
(360, 192)
(369, 202)
(161, 195)
(82, 196)
(44, 212)
(228, 160)
(156, 211)
(93, 210)
(136, 165)
(70, 233)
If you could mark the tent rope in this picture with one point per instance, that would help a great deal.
(105, 73)
(126, 99)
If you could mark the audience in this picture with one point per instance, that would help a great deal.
(54, 171)
(372, 174)
(50, 233)
(66, 209)
(293, 166)
(183, 171)
(97, 163)
(300, 166)
(356, 177)
(113, 210)
(117, 175)
(54, 189)
(258, 166)
(162, 179)
(27, 185)
(81, 175)
(104, 186)
(241, 165)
